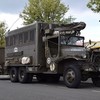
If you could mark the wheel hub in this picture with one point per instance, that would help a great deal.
(13, 74)
(22, 74)
(70, 76)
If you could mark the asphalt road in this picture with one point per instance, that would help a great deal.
(47, 91)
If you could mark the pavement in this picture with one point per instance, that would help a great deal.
(47, 91)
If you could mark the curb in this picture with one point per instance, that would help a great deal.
(4, 77)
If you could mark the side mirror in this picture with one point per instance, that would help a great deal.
(90, 42)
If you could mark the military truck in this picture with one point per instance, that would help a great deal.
(49, 51)
(2, 59)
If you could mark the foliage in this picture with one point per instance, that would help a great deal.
(94, 5)
(68, 20)
(2, 34)
(44, 10)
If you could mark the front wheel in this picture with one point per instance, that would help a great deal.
(72, 76)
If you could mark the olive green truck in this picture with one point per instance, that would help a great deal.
(49, 51)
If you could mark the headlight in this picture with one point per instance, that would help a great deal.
(52, 67)
(48, 60)
(84, 56)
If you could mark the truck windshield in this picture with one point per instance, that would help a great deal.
(73, 40)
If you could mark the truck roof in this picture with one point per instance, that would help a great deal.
(22, 29)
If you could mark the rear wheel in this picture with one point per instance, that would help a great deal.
(14, 74)
(72, 76)
(23, 76)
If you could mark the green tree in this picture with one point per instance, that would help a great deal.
(68, 20)
(44, 10)
(94, 5)
(2, 34)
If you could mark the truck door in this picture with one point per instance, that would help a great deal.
(53, 46)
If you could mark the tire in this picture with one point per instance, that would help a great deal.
(14, 74)
(72, 76)
(23, 76)
(96, 81)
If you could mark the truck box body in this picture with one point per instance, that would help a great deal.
(28, 41)
(30, 45)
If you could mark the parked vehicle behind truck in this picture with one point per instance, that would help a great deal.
(2, 60)
(49, 51)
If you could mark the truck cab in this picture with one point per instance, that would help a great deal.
(63, 44)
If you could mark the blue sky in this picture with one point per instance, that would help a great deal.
(10, 10)
(12, 6)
